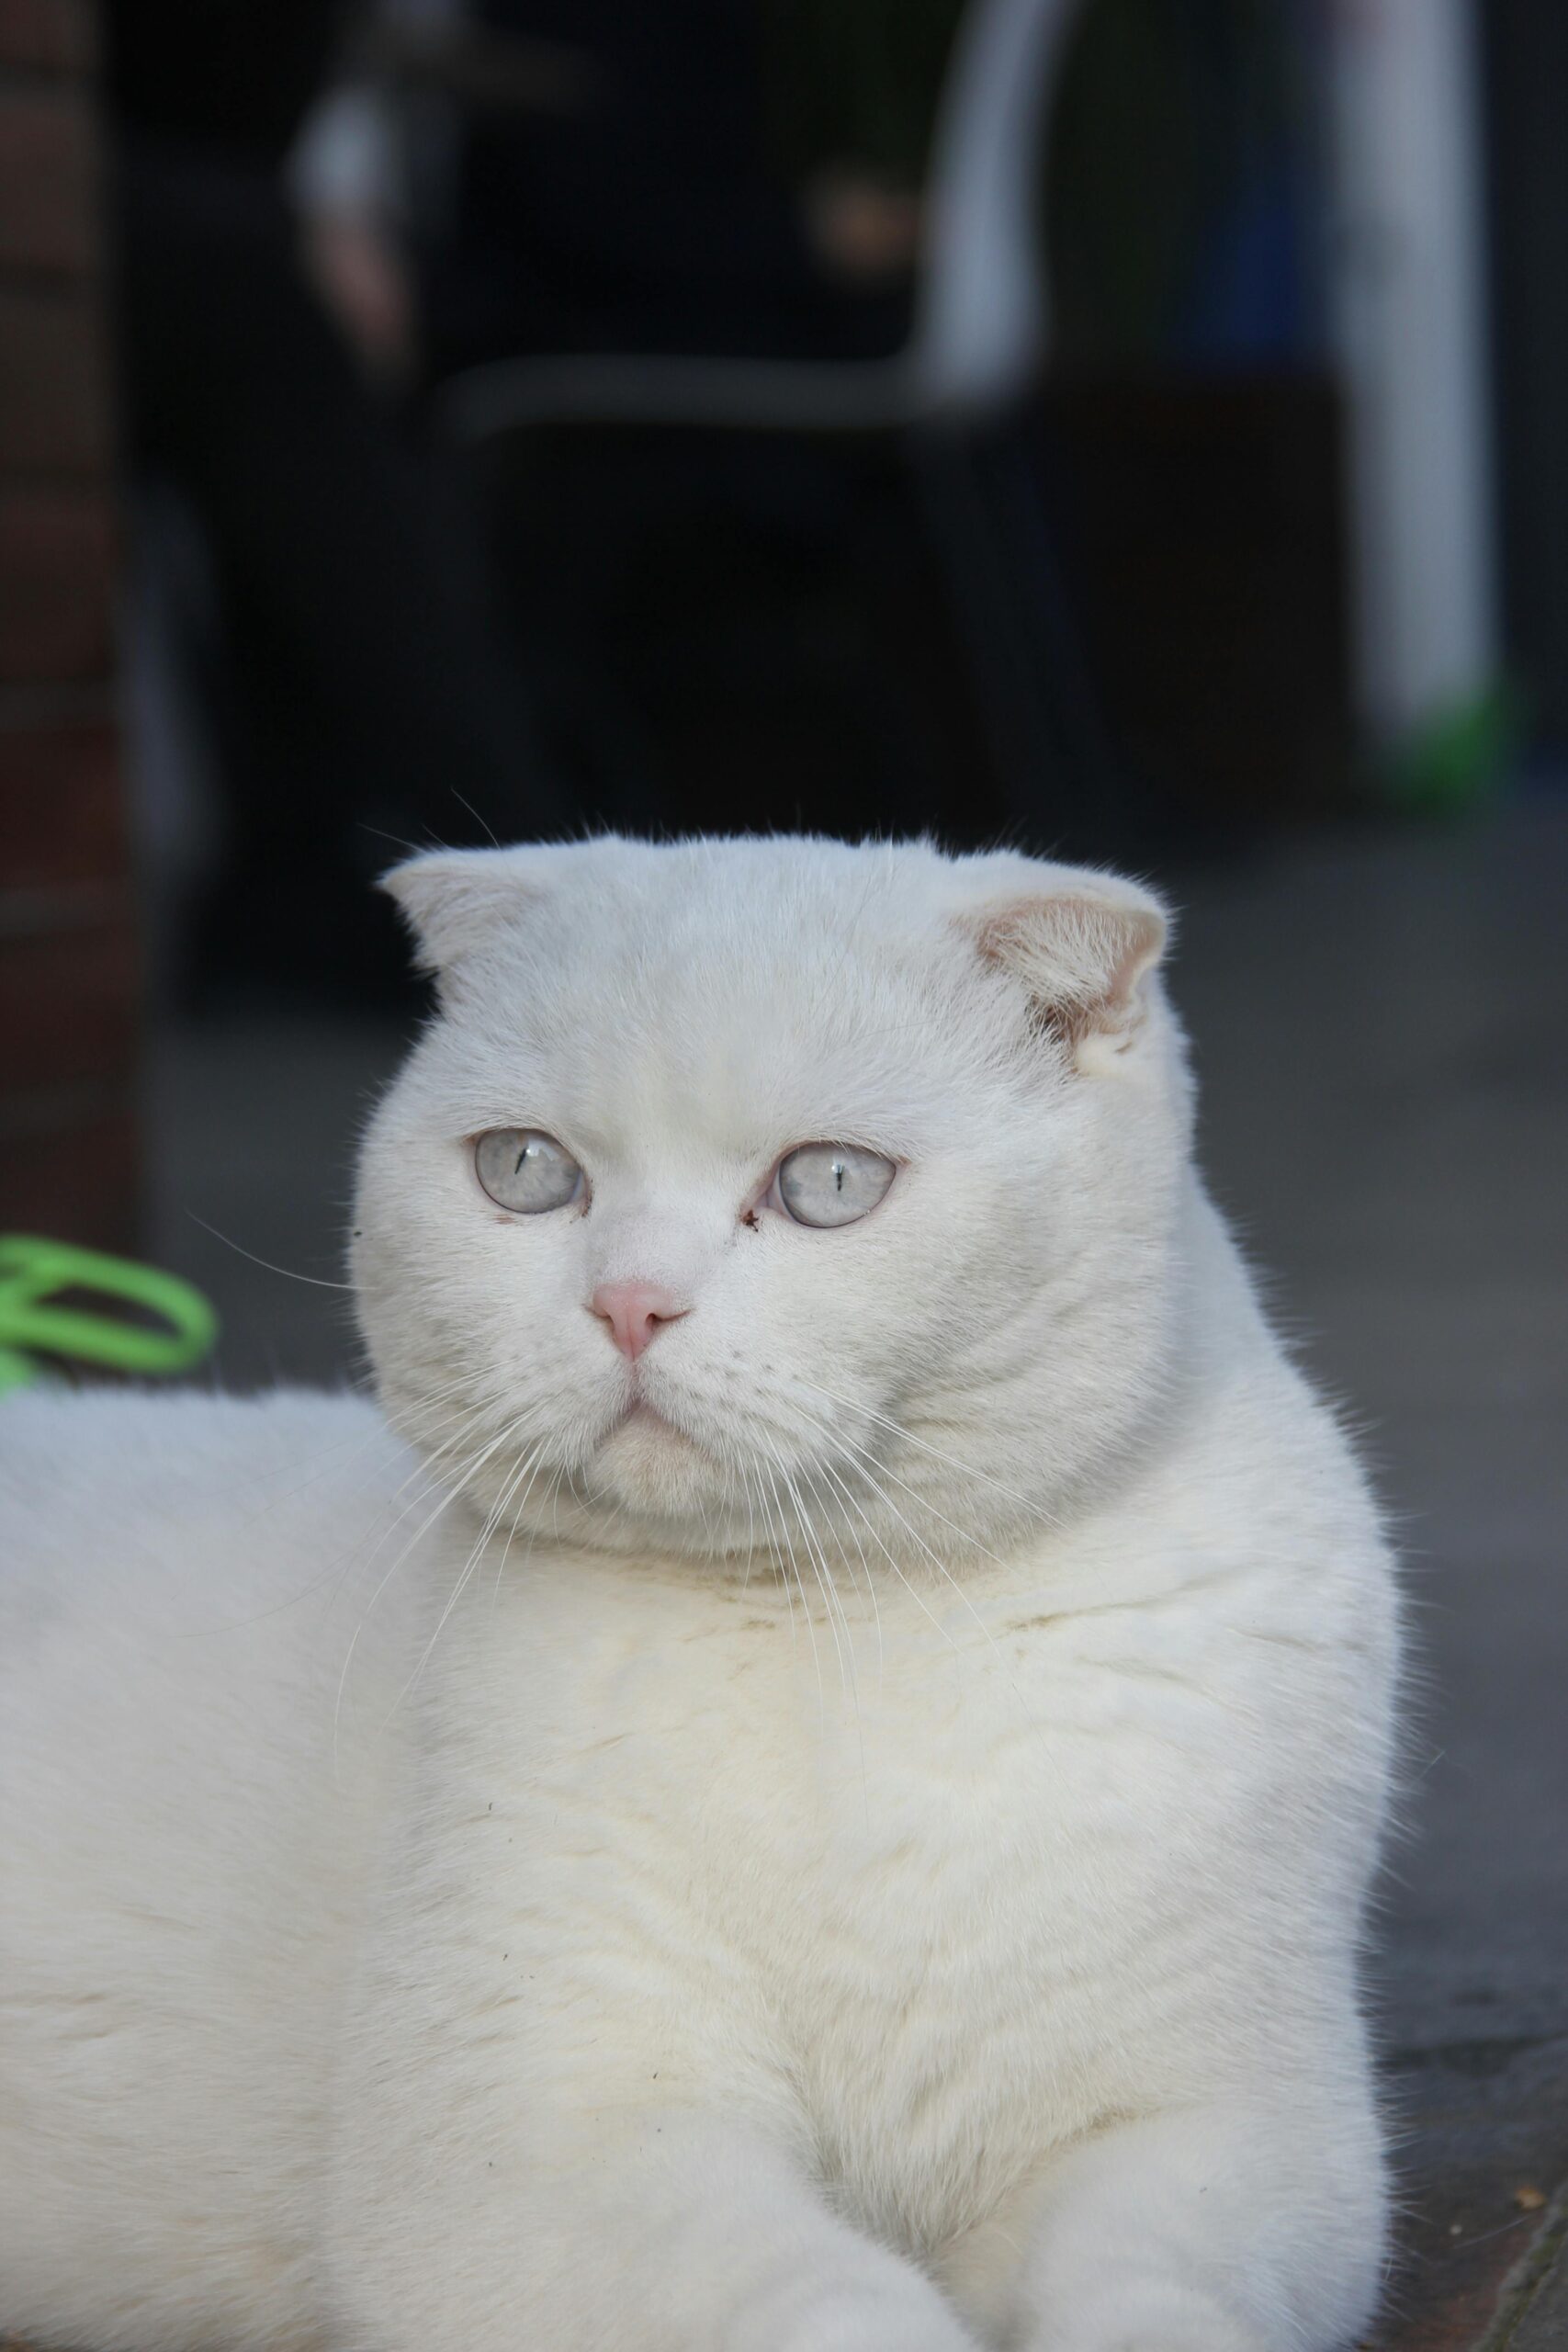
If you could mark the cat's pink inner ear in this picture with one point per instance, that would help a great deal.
(1081, 959)
(454, 900)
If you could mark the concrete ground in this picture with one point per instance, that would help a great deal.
(1380, 1035)
(1381, 1024)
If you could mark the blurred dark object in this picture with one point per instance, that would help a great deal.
(349, 683)
(1525, 51)
(69, 974)
(489, 72)
(834, 447)
(857, 79)
(1205, 523)
(651, 215)
(234, 76)
(735, 637)
(1182, 189)
(816, 497)
(1131, 586)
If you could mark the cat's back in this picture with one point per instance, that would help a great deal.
(183, 1815)
(115, 1490)
(172, 1567)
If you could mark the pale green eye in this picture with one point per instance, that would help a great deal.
(832, 1183)
(523, 1169)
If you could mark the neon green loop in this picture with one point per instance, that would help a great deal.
(33, 1272)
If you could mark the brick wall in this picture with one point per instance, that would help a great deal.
(68, 962)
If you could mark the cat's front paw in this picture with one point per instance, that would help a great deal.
(1221, 2337)
(878, 2324)
(1180, 2327)
(892, 2334)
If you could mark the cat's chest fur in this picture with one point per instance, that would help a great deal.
(680, 1837)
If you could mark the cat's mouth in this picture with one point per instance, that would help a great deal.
(645, 1461)
(641, 1419)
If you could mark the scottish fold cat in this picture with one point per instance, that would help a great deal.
(805, 1778)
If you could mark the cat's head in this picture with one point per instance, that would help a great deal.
(748, 1193)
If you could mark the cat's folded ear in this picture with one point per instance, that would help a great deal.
(454, 900)
(1082, 952)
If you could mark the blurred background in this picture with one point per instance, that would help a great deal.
(1127, 428)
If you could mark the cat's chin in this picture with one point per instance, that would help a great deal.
(650, 1466)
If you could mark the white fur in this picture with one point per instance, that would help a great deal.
(870, 1861)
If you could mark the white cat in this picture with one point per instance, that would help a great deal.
(842, 1823)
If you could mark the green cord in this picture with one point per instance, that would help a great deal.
(34, 1273)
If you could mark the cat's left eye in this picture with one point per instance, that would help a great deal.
(525, 1170)
(832, 1183)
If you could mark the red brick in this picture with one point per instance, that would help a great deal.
(57, 549)
(53, 405)
(55, 36)
(69, 1169)
(48, 179)
(69, 1001)
(61, 806)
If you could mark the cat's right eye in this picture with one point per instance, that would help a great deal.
(525, 1170)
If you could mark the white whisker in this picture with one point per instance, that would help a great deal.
(448, 1498)
(824, 1576)
(915, 1596)
(870, 1581)
(317, 1282)
(492, 1520)
(953, 1461)
(937, 1563)
(804, 1604)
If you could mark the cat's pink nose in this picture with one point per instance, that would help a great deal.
(634, 1312)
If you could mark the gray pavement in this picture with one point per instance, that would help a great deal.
(1381, 1037)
